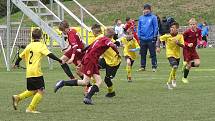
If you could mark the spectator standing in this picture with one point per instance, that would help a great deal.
(147, 33)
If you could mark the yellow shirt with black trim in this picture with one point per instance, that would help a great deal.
(111, 57)
(172, 49)
(127, 45)
(33, 55)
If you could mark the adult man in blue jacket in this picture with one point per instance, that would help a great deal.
(147, 33)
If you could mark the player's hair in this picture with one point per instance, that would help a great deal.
(36, 34)
(96, 28)
(63, 25)
(175, 23)
(116, 20)
(127, 18)
(109, 32)
(192, 20)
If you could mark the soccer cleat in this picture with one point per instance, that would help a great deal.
(15, 99)
(112, 94)
(169, 86)
(185, 80)
(59, 85)
(31, 111)
(174, 83)
(154, 69)
(88, 101)
(141, 69)
(129, 79)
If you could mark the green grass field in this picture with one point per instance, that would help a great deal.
(108, 10)
(145, 99)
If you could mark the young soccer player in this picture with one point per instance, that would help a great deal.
(72, 55)
(173, 41)
(130, 46)
(191, 57)
(33, 55)
(90, 64)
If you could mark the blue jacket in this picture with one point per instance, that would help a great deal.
(147, 27)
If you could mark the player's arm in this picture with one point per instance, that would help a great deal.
(52, 56)
(22, 55)
(155, 26)
(162, 38)
(180, 42)
(186, 34)
(45, 51)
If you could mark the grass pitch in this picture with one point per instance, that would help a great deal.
(145, 99)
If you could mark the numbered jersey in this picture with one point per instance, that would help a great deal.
(33, 55)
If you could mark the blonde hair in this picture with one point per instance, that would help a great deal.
(192, 20)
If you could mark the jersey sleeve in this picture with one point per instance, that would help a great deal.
(44, 50)
(163, 37)
(181, 40)
(22, 55)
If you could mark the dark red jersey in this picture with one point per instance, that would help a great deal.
(191, 36)
(97, 48)
(74, 40)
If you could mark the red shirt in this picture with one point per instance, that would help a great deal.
(74, 40)
(97, 48)
(191, 37)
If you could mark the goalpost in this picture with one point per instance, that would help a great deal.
(4, 55)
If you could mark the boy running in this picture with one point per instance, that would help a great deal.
(33, 55)
(191, 57)
(130, 46)
(173, 43)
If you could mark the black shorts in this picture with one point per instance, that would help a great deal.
(34, 83)
(110, 70)
(173, 61)
(102, 63)
(132, 61)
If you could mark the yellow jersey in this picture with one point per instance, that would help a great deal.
(94, 38)
(32, 55)
(127, 45)
(172, 49)
(111, 57)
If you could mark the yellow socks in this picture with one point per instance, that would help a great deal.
(36, 99)
(25, 94)
(128, 69)
(172, 75)
(110, 89)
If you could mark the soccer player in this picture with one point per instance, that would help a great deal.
(130, 46)
(110, 62)
(33, 55)
(90, 64)
(191, 57)
(130, 24)
(173, 41)
(72, 55)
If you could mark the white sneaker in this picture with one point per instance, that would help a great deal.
(169, 86)
(174, 83)
(32, 111)
(15, 99)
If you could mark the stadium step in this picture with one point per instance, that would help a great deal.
(35, 16)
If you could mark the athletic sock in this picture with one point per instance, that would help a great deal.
(35, 101)
(174, 73)
(93, 90)
(186, 72)
(25, 94)
(73, 82)
(109, 84)
(170, 77)
(128, 69)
